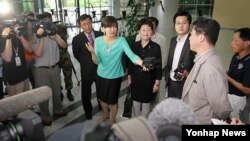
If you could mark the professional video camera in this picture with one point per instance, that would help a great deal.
(27, 126)
(16, 27)
(17, 123)
(177, 72)
(46, 23)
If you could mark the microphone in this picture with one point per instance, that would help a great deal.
(172, 111)
(13, 105)
(168, 116)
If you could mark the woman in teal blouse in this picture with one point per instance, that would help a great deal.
(107, 54)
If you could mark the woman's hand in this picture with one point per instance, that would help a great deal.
(129, 80)
(144, 68)
(89, 47)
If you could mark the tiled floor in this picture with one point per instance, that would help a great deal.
(74, 109)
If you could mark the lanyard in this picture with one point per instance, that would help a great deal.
(16, 49)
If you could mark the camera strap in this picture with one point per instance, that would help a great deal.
(15, 49)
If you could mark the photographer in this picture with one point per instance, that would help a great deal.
(12, 47)
(46, 69)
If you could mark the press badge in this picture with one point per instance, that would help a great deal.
(240, 66)
(18, 61)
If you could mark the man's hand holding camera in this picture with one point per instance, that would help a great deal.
(40, 32)
(180, 76)
(54, 37)
(181, 73)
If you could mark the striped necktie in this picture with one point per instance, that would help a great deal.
(91, 40)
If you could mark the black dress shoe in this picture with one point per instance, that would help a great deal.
(61, 114)
(47, 121)
(88, 115)
(70, 96)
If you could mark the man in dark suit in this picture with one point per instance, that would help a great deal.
(180, 58)
(83, 56)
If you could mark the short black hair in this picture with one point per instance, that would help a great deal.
(109, 21)
(155, 20)
(209, 27)
(244, 33)
(183, 13)
(145, 21)
(83, 17)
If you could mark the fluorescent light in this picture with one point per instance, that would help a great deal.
(5, 8)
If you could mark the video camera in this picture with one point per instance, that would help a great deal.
(43, 21)
(177, 72)
(27, 126)
(16, 27)
(151, 63)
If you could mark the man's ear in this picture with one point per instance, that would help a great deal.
(247, 43)
(202, 37)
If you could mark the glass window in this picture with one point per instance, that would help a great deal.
(69, 9)
(28, 5)
(197, 8)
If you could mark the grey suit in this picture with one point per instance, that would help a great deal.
(206, 88)
(186, 57)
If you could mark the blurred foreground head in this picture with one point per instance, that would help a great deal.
(171, 111)
(135, 129)
(164, 123)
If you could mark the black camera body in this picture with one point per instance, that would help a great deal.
(46, 23)
(27, 126)
(151, 63)
(177, 72)
(15, 26)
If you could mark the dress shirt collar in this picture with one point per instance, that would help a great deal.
(198, 57)
(181, 39)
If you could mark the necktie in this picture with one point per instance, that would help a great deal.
(91, 40)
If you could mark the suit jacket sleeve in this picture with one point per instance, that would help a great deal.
(76, 48)
(170, 58)
(216, 89)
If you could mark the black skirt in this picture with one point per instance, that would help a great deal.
(108, 89)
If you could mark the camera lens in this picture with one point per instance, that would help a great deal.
(11, 131)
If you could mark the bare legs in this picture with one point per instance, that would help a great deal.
(106, 113)
(114, 110)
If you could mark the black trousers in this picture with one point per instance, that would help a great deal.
(86, 96)
(175, 88)
(1, 88)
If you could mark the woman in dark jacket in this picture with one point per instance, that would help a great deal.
(144, 84)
